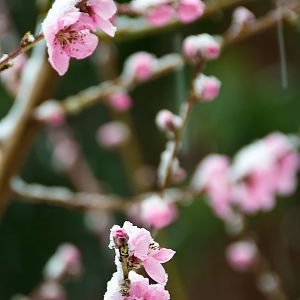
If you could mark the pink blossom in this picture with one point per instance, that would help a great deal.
(158, 212)
(202, 46)
(160, 15)
(68, 36)
(212, 176)
(50, 112)
(100, 13)
(206, 88)
(113, 134)
(167, 121)
(142, 249)
(139, 66)
(120, 101)
(190, 10)
(241, 255)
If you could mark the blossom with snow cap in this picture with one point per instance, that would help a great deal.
(142, 250)
(139, 289)
(206, 88)
(190, 10)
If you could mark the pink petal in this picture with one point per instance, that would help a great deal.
(155, 270)
(59, 59)
(84, 46)
(104, 8)
(163, 255)
(106, 26)
(68, 20)
(140, 243)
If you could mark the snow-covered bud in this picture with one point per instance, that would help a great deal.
(242, 16)
(50, 112)
(190, 10)
(120, 101)
(241, 255)
(64, 264)
(178, 174)
(202, 46)
(206, 88)
(120, 238)
(113, 135)
(167, 121)
(139, 66)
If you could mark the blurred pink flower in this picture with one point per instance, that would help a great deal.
(241, 255)
(158, 212)
(113, 134)
(160, 15)
(50, 112)
(139, 66)
(212, 176)
(167, 121)
(206, 88)
(120, 101)
(190, 10)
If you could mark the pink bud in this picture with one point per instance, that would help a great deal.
(202, 46)
(167, 121)
(50, 112)
(241, 255)
(113, 135)
(178, 173)
(139, 66)
(190, 10)
(50, 290)
(243, 16)
(120, 101)
(206, 88)
(120, 237)
(160, 15)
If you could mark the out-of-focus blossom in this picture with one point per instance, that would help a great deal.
(178, 174)
(241, 255)
(158, 212)
(206, 88)
(142, 250)
(160, 15)
(120, 101)
(65, 263)
(202, 46)
(212, 177)
(140, 66)
(190, 10)
(167, 121)
(11, 76)
(140, 288)
(50, 112)
(49, 290)
(113, 135)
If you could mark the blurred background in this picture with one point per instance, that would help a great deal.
(252, 103)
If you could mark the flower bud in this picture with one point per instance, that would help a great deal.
(160, 15)
(139, 66)
(167, 121)
(120, 238)
(202, 46)
(206, 88)
(190, 10)
(50, 112)
(243, 16)
(113, 135)
(241, 255)
(120, 101)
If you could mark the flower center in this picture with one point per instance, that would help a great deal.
(66, 37)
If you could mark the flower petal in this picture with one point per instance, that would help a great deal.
(163, 255)
(155, 270)
(104, 8)
(83, 46)
(59, 59)
(106, 26)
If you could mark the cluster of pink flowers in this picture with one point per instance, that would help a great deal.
(135, 248)
(161, 12)
(259, 172)
(69, 26)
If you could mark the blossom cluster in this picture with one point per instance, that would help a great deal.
(258, 173)
(69, 29)
(135, 248)
(161, 12)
